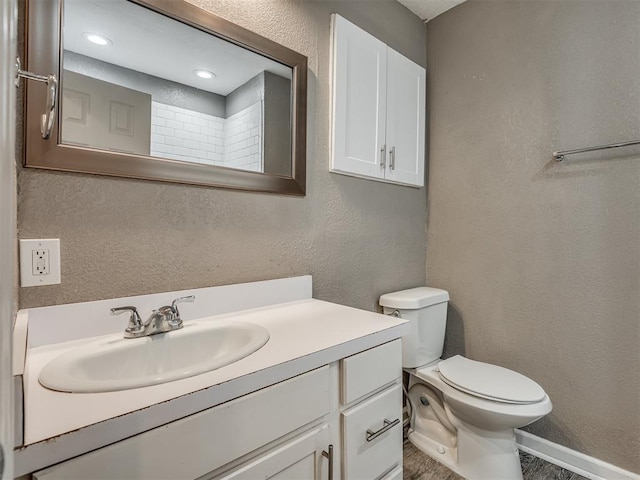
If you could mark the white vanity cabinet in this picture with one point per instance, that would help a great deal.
(283, 431)
(378, 96)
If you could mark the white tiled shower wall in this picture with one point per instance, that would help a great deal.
(242, 133)
(182, 134)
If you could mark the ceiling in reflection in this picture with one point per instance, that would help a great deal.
(156, 45)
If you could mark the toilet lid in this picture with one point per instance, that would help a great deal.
(489, 381)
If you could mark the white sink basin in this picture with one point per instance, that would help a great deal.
(114, 363)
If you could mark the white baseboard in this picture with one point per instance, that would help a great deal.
(571, 460)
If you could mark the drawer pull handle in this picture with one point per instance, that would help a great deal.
(329, 456)
(388, 425)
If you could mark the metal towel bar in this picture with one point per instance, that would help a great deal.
(47, 119)
(560, 156)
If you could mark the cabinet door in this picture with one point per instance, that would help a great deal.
(300, 458)
(359, 101)
(405, 120)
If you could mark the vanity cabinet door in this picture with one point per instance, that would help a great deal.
(300, 458)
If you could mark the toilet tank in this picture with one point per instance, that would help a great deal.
(426, 310)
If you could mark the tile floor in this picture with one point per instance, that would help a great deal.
(418, 466)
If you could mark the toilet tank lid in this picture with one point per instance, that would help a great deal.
(414, 298)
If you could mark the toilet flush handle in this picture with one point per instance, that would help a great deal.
(395, 313)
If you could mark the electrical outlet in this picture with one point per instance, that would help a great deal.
(39, 262)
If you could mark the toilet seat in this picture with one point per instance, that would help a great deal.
(489, 382)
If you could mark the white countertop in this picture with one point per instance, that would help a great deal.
(304, 335)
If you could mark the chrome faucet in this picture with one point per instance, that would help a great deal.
(161, 320)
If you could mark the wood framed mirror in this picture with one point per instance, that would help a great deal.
(163, 90)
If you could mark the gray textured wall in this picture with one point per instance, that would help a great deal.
(358, 238)
(542, 259)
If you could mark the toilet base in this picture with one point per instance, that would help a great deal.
(448, 456)
(478, 454)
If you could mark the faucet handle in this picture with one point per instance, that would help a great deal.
(174, 305)
(135, 322)
(188, 298)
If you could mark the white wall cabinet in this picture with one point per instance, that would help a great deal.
(378, 96)
(279, 432)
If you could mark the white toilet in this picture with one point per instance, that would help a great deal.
(463, 412)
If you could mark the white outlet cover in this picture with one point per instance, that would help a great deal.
(27, 278)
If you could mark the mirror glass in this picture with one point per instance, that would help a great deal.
(137, 82)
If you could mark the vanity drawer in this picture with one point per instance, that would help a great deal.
(365, 454)
(372, 369)
(200, 443)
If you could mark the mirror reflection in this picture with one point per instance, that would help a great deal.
(135, 81)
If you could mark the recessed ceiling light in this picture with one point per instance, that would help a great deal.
(97, 39)
(204, 74)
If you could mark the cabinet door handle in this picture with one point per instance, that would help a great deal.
(383, 156)
(388, 425)
(392, 158)
(329, 456)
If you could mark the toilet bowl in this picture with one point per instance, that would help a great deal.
(463, 413)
